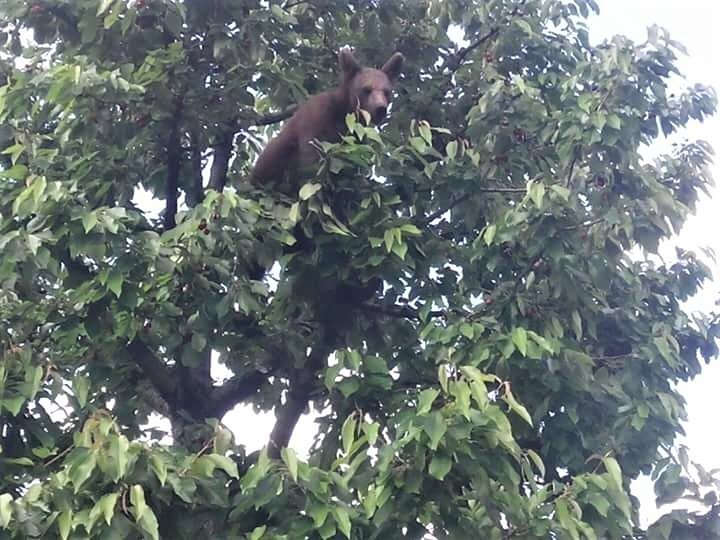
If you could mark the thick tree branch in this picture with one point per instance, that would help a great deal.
(287, 419)
(297, 399)
(222, 152)
(174, 155)
(239, 388)
(162, 377)
(234, 391)
(196, 384)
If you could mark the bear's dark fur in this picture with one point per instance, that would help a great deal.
(322, 117)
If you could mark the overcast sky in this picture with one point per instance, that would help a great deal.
(695, 24)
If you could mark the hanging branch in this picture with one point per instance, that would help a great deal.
(195, 193)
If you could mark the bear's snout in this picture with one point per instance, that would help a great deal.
(379, 113)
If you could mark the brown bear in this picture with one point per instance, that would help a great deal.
(322, 117)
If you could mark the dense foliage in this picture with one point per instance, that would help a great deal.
(454, 292)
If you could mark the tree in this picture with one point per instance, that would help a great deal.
(455, 293)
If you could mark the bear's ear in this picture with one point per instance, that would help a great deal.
(348, 64)
(393, 66)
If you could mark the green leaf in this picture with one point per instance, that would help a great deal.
(119, 453)
(521, 411)
(584, 101)
(348, 433)
(81, 387)
(89, 220)
(443, 377)
(613, 469)
(149, 523)
(425, 400)
(258, 532)
(5, 509)
(294, 213)
(371, 431)
(537, 460)
(198, 342)
(115, 282)
(440, 466)
(600, 503)
(425, 132)
(524, 25)
(613, 121)
(226, 464)
(14, 151)
(16, 172)
(308, 190)
(318, 512)
(451, 150)
(409, 228)
(144, 516)
(107, 506)
(342, 518)
(331, 374)
(103, 6)
(467, 330)
(562, 191)
(418, 144)
(137, 499)
(291, 462)
(577, 324)
(203, 467)
(536, 191)
(13, 404)
(389, 238)
(489, 234)
(159, 467)
(435, 427)
(519, 338)
(400, 249)
(110, 19)
(474, 374)
(81, 470)
(64, 524)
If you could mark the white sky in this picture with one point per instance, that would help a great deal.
(695, 24)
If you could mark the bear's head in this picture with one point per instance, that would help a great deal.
(367, 88)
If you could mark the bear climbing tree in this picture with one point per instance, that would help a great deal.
(475, 318)
(322, 118)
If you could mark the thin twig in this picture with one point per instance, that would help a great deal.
(432, 217)
(583, 225)
(568, 182)
(251, 118)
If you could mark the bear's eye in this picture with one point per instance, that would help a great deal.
(366, 90)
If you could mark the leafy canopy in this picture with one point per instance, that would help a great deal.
(453, 292)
